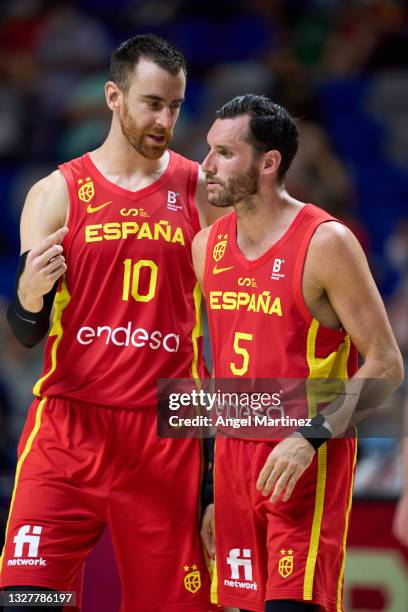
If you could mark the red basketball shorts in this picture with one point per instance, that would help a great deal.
(287, 550)
(83, 466)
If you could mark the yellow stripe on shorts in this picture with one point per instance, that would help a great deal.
(24, 454)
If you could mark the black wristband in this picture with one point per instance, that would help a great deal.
(316, 433)
(29, 327)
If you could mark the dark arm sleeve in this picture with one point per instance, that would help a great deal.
(29, 327)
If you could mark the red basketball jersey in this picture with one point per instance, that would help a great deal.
(260, 326)
(127, 310)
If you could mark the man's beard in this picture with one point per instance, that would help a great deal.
(238, 188)
(137, 137)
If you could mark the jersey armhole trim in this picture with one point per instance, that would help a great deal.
(299, 268)
(69, 179)
(208, 253)
(191, 195)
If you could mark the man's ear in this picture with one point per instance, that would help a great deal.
(271, 163)
(113, 95)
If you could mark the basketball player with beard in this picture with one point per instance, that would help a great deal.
(106, 240)
(289, 295)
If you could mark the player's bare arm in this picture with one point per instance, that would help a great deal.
(207, 531)
(400, 523)
(339, 290)
(346, 290)
(198, 247)
(42, 231)
(207, 213)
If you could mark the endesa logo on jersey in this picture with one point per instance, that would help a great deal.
(129, 335)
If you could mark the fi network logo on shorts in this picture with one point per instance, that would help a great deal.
(26, 543)
(241, 567)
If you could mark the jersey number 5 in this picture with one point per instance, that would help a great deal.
(240, 350)
(131, 279)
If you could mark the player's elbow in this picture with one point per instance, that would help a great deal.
(394, 366)
(399, 368)
(385, 363)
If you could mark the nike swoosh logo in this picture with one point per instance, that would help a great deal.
(217, 270)
(92, 209)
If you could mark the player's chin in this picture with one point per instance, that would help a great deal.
(156, 147)
(219, 203)
(154, 152)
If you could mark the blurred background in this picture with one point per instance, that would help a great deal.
(340, 66)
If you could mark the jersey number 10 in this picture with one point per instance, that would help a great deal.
(131, 279)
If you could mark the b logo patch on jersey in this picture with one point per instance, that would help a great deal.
(276, 269)
(285, 566)
(172, 201)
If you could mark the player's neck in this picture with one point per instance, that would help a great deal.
(119, 162)
(265, 219)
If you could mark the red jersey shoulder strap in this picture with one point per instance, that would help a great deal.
(70, 171)
(188, 168)
(223, 225)
(311, 220)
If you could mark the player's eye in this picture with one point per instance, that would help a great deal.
(154, 104)
(225, 153)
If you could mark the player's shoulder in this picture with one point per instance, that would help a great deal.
(334, 251)
(51, 185)
(200, 240)
(333, 235)
(48, 199)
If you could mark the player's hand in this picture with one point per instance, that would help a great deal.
(400, 522)
(207, 531)
(44, 265)
(284, 466)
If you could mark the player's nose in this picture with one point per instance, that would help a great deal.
(165, 118)
(208, 165)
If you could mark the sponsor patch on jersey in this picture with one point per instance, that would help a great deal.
(129, 335)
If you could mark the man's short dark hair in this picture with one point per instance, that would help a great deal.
(147, 46)
(270, 127)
